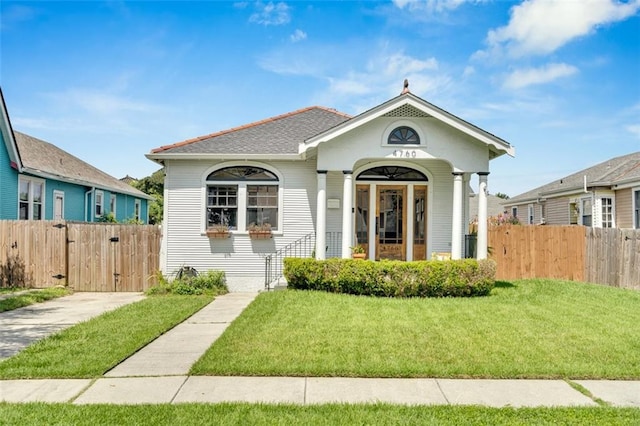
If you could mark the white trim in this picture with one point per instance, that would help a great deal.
(137, 209)
(32, 180)
(96, 204)
(242, 193)
(58, 194)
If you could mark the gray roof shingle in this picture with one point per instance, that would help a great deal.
(276, 135)
(607, 173)
(40, 156)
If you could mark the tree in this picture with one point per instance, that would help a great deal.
(153, 185)
(503, 196)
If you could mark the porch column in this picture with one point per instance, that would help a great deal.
(481, 245)
(456, 217)
(321, 216)
(347, 211)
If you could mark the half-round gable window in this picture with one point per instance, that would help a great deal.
(242, 173)
(395, 173)
(403, 135)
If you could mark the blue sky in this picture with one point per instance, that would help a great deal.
(109, 81)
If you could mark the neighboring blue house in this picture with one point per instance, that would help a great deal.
(39, 181)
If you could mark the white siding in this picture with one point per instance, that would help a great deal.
(241, 258)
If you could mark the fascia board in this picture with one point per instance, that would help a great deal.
(193, 156)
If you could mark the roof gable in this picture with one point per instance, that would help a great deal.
(409, 105)
(44, 159)
(276, 135)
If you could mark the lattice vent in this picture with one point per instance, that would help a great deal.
(407, 111)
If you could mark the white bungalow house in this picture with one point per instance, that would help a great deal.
(394, 180)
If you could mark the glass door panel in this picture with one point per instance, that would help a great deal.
(419, 223)
(362, 217)
(391, 238)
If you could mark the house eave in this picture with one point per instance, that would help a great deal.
(160, 158)
(81, 182)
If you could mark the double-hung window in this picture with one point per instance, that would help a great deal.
(99, 203)
(586, 212)
(31, 199)
(607, 212)
(636, 209)
(242, 196)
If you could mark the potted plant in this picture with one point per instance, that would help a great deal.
(259, 232)
(358, 252)
(218, 231)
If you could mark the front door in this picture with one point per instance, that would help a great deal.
(391, 229)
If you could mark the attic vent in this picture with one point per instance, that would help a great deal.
(406, 111)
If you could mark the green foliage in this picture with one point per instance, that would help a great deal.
(210, 283)
(502, 195)
(107, 218)
(153, 185)
(452, 278)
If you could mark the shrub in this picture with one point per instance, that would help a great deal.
(451, 278)
(211, 282)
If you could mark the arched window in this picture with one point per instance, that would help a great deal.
(242, 196)
(395, 173)
(403, 135)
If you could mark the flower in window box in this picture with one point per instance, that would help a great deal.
(262, 231)
(218, 231)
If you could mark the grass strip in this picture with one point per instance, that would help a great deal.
(526, 329)
(331, 414)
(91, 348)
(31, 297)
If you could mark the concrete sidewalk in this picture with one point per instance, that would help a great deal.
(321, 390)
(158, 374)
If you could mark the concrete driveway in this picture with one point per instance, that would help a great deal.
(21, 327)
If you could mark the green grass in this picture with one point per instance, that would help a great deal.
(91, 348)
(525, 329)
(260, 414)
(33, 296)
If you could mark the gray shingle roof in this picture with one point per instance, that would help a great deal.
(276, 135)
(610, 172)
(40, 156)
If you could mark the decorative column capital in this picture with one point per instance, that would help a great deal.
(321, 172)
(455, 174)
(347, 172)
(483, 173)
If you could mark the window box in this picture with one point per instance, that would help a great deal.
(259, 232)
(218, 232)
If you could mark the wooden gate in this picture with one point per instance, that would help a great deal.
(84, 256)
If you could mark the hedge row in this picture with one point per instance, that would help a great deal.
(449, 278)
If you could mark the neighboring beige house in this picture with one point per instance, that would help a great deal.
(606, 195)
(394, 179)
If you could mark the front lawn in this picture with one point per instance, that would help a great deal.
(93, 347)
(331, 414)
(524, 329)
(30, 297)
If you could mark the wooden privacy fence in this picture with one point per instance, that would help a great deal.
(84, 256)
(599, 255)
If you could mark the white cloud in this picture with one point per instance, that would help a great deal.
(298, 35)
(530, 76)
(468, 71)
(432, 5)
(634, 129)
(271, 13)
(539, 27)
